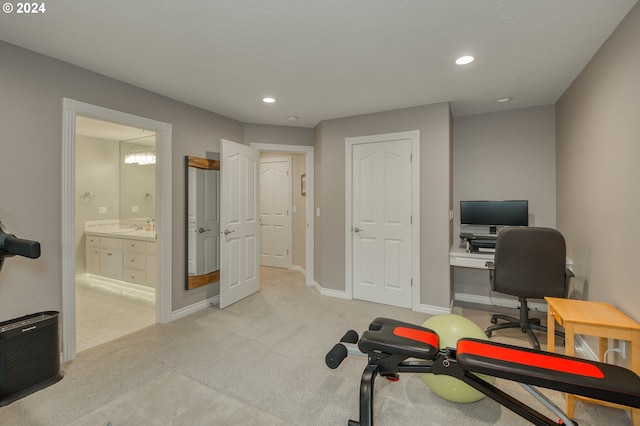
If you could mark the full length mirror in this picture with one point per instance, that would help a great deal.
(202, 201)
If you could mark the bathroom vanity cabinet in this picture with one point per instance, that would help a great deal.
(122, 258)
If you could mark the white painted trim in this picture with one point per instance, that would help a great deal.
(433, 310)
(70, 108)
(298, 268)
(118, 287)
(192, 309)
(338, 294)
(414, 135)
(497, 301)
(308, 151)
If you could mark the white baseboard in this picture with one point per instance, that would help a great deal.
(191, 309)
(433, 310)
(119, 287)
(339, 294)
(497, 301)
(299, 269)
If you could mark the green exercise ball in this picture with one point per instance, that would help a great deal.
(450, 329)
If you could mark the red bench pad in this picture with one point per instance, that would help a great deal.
(399, 338)
(545, 369)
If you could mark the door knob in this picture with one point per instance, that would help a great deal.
(227, 232)
(201, 230)
(356, 229)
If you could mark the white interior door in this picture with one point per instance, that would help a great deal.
(382, 222)
(239, 224)
(275, 216)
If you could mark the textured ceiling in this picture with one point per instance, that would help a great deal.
(324, 59)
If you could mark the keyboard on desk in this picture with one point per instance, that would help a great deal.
(486, 236)
(472, 236)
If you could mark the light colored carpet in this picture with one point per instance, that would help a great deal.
(260, 361)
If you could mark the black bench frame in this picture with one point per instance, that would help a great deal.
(393, 347)
(389, 366)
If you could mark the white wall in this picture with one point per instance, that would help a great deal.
(501, 156)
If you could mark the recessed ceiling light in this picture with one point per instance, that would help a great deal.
(464, 60)
(503, 100)
(268, 100)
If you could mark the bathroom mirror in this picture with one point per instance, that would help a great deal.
(202, 228)
(138, 179)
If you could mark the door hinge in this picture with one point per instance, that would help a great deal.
(411, 157)
(287, 252)
(411, 282)
(410, 219)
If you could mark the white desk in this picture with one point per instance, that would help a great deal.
(477, 260)
(461, 257)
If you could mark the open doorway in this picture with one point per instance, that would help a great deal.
(162, 200)
(300, 204)
(115, 181)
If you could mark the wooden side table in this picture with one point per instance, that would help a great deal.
(594, 319)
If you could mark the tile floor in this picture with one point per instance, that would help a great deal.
(102, 315)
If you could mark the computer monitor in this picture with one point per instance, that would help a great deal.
(495, 213)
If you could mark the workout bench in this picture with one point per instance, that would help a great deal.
(394, 347)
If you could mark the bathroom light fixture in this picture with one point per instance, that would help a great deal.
(292, 118)
(503, 100)
(268, 100)
(464, 60)
(140, 157)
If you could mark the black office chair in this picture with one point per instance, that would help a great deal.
(529, 263)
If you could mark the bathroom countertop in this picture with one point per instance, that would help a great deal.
(124, 233)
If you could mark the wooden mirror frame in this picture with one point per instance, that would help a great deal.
(195, 281)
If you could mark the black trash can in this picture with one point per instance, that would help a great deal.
(29, 355)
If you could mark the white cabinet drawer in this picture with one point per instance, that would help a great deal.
(134, 260)
(135, 276)
(133, 246)
(110, 243)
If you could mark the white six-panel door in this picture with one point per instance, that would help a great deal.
(381, 221)
(239, 224)
(275, 215)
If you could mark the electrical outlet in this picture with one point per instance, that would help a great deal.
(102, 210)
(134, 209)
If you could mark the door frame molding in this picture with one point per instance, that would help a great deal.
(309, 161)
(414, 135)
(70, 109)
